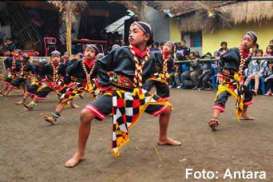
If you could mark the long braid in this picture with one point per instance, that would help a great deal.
(242, 60)
(22, 70)
(88, 74)
(55, 70)
(240, 86)
(138, 68)
(165, 65)
(13, 65)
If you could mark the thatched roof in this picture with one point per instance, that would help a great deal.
(211, 15)
(208, 15)
(245, 12)
(179, 8)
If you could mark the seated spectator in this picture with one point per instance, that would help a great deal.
(269, 79)
(262, 73)
(155, 47)
(182, 69)
(204, 81)
(189, 79)
(269, 50)
(195, 69)
(208, 55)
(182, 51)
(255, 50)
(222, 50)
(197, 54)
(252, 72)
(176, 77)
(214, 72)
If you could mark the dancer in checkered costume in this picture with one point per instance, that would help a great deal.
(79, 78)
(231, 81)
(121, 74)
(51, 75)
(165, 65)
(12, 71)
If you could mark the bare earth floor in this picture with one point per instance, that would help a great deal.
(33, 151)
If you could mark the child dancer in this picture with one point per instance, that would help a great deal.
(124, 71)
(231, 81)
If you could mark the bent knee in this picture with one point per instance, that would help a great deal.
(86, 116)
(167, 110)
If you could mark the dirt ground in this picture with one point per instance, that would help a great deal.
(33, 151)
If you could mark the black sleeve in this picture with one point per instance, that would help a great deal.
(158, 62)
(171, 65)
(61, 70)
(33, 69)
(105, 65)
(44, 71)
(232, 56)
(29, 68)
(8, 62)
(70, 71)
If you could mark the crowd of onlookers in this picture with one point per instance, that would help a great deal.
(190, 73)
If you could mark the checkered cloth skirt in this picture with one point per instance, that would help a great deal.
(127, 108)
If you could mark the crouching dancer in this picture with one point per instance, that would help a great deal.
(121, 74)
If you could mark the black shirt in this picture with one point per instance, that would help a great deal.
(76, 70)
(121, 61)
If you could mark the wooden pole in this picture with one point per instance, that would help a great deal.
(68, 21)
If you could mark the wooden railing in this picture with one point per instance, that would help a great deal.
(269, 58)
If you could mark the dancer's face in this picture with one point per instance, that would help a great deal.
(137, 36)
(55, 59)
(226, 72)
(16, 55)
(247, 42)
(89, 53)
(166, 48)
(65, 57)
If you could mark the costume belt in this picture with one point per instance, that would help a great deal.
(121, 81)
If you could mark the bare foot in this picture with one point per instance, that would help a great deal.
(245, 117)
(19, 102)
(255, 92)
(74, 161)
(169, 141)
(213, 123)
(29, 107)
(49, 119)
(268, 94)
(74, 106)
